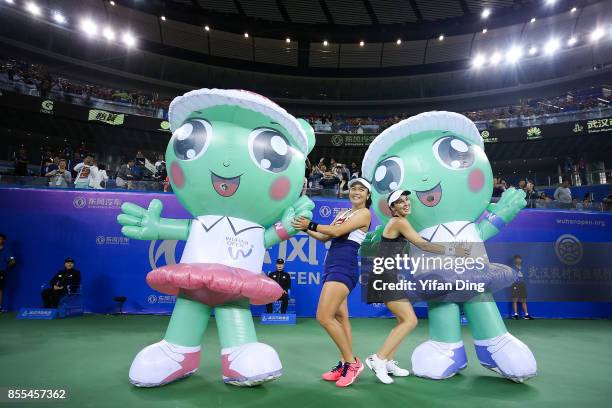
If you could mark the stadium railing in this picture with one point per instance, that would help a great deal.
(158, 187)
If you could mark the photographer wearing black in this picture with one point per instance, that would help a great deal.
(329, 183)
(284, 280)
(65, 279)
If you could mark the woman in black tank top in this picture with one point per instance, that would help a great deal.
(397, 235)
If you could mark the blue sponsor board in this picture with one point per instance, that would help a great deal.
(82, 225)
(278, 318)
(37, 313)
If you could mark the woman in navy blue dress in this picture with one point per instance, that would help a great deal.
(341, 275)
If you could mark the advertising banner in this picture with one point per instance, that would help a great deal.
(46, 226)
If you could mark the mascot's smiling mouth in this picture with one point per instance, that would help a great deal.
(225, 187)
(430, 198)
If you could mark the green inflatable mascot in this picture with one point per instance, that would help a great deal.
(439, 157)
(236, 162)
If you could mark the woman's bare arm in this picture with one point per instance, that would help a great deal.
(404, 228)
(360, 219)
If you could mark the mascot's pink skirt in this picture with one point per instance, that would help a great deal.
(214, 284)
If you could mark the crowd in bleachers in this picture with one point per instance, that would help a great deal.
(525, 110)
(39, 79)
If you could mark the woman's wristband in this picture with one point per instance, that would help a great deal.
(313, 226)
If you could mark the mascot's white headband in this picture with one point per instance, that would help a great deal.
(182, 106)
(436, 121)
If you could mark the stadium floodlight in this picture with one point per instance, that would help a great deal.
(206, 28)
(551, 46)
(597, 34)
(533, 20)
(496, 58)
(533, 50)
(246, 35)
(112, 3)
(9, 1)
(361, 43)
(514, 54)
(128, 39)
(287, 40)
(484, 30)
(33, 8)
(399, 41)
(572, 41)
(441, 37)
(89, 27)
(163, 18)
(325, 43)
(551, 2)
(486, 13)
(108, 33)
(573, 10)
(59, 17)
(478, 61)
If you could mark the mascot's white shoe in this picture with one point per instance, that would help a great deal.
(162, 363)
(438, 360)
(250, 364)
(508, 356)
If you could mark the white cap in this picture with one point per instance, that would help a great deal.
(436, 120)
(395, 195)
(182, 106)
(361, 181)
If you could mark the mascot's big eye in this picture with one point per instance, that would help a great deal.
(389, 175)
(453, 153)
(192, 139)
(270, 150)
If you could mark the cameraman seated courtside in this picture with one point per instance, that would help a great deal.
(284, 280)
(65, 281)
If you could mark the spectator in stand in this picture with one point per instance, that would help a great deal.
(531, 195)
(86, 172)
(343, 189)
(587, 201)
(498, 189)
(60, 177)
(76, 159)
(337, 171)
(99, 179)
(140, 159)
(48, 165)
(125, 174)
(354, 170)
(563, 195)
(160, 169)
(317, 175)
(21, 163)
(522, 185)
(543, 200)
(329, 183)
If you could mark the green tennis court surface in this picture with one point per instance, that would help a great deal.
(90, 357)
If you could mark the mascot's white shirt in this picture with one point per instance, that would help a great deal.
(226, 240)
(450, 232)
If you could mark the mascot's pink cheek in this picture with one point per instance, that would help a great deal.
(178, 177)
(280, 188)
(384, 208)
(476, 180)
